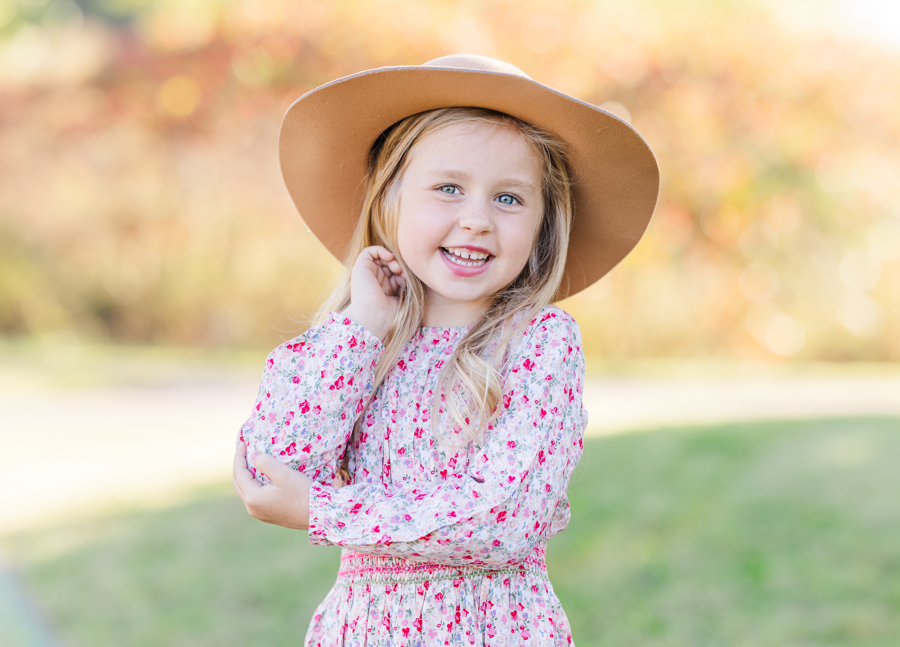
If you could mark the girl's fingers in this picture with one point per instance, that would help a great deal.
(373, 287)
(376, 252)
(381, 264)
(383, 276)
(382, 257)
(385, 268)
(273, 468)
(241, 476)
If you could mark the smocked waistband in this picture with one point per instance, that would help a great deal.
(358, 568)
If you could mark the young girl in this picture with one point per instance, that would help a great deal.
(430, 424)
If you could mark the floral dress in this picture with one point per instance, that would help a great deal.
(443, 542)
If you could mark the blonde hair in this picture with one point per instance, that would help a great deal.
(470, 385)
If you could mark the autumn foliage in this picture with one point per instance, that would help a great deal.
(140, 196)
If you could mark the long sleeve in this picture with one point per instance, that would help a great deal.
(513, 488)
(313, 389)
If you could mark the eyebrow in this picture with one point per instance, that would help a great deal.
(462, 176)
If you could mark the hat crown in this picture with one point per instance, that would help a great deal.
(476, 63)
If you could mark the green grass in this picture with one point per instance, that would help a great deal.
(784, 533)
(774, 534)
(203, 573)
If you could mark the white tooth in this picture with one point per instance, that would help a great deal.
(455, 254)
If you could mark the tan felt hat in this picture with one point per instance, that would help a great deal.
(326, 136)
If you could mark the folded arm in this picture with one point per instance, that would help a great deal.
(313, 389)
(494, 513)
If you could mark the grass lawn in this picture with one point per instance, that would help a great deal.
(759, 534)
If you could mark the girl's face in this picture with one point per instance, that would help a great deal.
(470, 205)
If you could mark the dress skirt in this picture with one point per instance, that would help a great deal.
(394, 602)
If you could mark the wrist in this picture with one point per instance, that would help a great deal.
(303, 501)
(378, 326)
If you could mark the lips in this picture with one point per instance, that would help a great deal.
(465, 256)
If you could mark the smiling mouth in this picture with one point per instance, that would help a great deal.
(465, 257)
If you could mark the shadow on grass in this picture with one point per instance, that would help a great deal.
(779, 533)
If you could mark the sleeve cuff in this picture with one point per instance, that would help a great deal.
(319, 497)
(367, 338)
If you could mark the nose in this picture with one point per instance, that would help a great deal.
(477, 217)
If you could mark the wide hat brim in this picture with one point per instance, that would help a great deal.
(326, 136)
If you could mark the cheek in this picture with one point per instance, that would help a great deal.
(413, 238)
(421, 227)
(519, 243)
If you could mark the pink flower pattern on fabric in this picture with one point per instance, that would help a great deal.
(443, 542)
(313, 389)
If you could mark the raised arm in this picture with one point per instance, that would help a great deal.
(313, 389)
(513, 492)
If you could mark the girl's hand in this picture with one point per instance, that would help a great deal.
(283, 502)
(375, 280)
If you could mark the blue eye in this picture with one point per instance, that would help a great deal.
(506, 198)
(448, 188)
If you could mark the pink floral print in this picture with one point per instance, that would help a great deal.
(443, 540)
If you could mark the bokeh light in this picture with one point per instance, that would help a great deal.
(860, 314)
(785, 336)
(860, 271)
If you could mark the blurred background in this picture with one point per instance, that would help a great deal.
(150, 257)
(142, 200)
